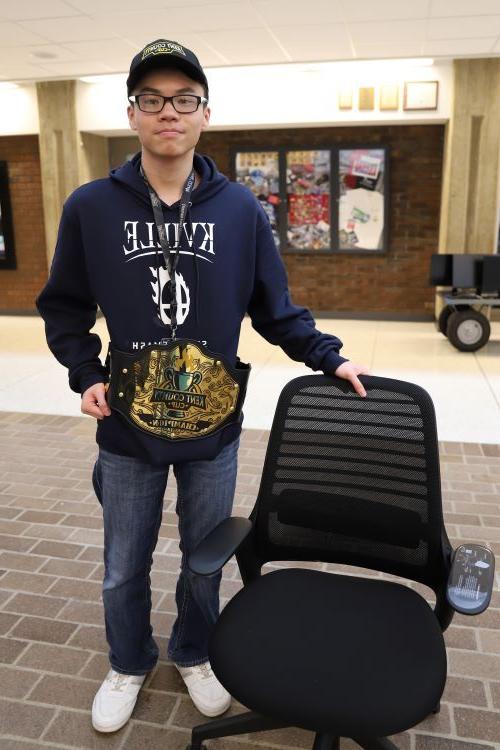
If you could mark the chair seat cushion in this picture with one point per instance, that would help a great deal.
(333, 653)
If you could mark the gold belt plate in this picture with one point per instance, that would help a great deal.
(181, 392)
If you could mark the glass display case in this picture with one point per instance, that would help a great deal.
(259, 170)
(308, 200)
(322, 200)
(361, 199)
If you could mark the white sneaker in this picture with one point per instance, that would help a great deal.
(115, 700)
(207, 694)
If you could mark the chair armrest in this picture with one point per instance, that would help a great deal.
(213, 552)
(471, 579)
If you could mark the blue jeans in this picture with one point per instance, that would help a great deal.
(131, 494)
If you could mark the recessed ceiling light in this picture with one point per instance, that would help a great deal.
(107, 78)
(410, 62)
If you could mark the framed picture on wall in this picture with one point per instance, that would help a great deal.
(321, 200)
(420, 95)
(366, 98)
(389, 97)
(7, 252)
(345, 97)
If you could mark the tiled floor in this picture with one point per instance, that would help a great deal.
(53, 650)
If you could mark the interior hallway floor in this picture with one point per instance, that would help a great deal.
(465, 387)
(53, 648)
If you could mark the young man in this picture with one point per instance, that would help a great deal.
(174, 255)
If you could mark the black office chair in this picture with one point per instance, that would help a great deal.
(348, 481)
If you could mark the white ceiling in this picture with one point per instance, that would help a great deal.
(43, 39)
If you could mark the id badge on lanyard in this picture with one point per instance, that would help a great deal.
(171, 262)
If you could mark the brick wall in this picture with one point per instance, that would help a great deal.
(20, 286)
(393, 283)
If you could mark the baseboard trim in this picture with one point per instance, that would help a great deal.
(34, 313)
(403, 317)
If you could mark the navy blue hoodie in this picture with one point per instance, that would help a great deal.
(108, 254)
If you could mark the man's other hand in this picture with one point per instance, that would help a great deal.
(350, 371)
(94, 402)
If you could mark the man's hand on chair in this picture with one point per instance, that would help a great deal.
(349, 371)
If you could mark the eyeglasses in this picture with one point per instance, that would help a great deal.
(154, 103)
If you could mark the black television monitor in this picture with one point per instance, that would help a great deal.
(467, 271)
(490, 278)
(441, 269)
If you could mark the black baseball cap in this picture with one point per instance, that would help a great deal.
(163, 53)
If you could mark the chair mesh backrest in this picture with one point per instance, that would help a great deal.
(353, 480)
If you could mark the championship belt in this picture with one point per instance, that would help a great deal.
(176, 392)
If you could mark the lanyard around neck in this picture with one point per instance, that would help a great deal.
(170, 262)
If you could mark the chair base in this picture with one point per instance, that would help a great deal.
(230, 727)
(250, 722)
(380, 743)
(326, 742)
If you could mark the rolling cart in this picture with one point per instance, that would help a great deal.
(475, 286)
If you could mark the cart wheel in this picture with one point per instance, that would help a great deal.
(468, 330)
(444, 316)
